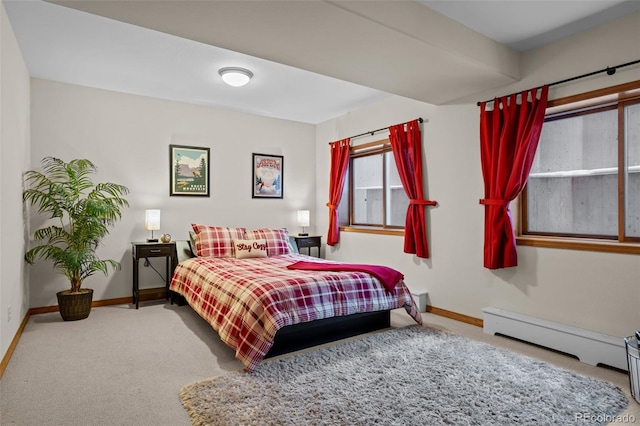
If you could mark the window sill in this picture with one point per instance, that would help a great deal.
(579, 244)
(369, 230)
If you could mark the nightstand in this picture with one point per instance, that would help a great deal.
(308, 241)
(144, 250)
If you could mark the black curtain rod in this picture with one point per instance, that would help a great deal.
(373, 132)
(608, 70)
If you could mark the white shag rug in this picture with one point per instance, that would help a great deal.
(408, 376)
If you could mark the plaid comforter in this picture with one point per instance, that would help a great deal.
(248, 300)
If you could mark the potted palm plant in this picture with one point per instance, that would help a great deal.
(82, 213)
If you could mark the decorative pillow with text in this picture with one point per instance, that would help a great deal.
(250, 248)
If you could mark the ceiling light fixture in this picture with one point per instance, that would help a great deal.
(235, 77)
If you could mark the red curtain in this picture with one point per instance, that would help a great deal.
(339, 163)
(407, 151)
(509, 136)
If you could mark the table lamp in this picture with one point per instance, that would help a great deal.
(152, 223)
(303, 220)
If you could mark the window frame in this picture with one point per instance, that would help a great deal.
(380, 147)
(621, 95)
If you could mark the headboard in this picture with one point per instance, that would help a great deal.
(184, 250)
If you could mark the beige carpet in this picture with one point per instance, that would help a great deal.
(412, 375)
(123, 366)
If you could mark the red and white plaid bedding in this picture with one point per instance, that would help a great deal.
(248, 300)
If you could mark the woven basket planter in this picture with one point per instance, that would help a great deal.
(75, 306)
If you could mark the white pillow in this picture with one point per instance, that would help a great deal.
(192, 243)
(250, 248)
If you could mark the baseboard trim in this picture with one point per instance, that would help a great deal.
(455, 316)
(144, 297)
(7, 356)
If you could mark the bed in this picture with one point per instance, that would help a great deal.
(260, 308)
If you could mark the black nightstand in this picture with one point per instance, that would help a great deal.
(308, 241)
(144, 250)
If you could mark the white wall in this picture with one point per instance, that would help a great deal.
(596, 291)
(14, 160)
(128, 137)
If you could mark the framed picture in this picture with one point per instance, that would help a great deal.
(267, 176)
(189, 170)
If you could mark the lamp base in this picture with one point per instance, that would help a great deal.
(303, 234)
(152, 240)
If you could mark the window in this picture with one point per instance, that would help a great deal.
(585, 180)
(373, 197)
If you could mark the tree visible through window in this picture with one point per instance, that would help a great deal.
(585, 179)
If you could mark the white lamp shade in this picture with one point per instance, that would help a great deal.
(152, 220)
(235, 77)
(303, 217)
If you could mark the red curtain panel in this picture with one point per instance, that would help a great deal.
(407, 152)
(509, 136)
(339, 163)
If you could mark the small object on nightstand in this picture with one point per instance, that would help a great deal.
(308, 241)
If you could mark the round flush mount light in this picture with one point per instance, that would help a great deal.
(235, 77)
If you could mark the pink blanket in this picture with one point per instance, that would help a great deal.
(389, 277)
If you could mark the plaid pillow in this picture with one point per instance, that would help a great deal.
(216, 241)
(277, 240)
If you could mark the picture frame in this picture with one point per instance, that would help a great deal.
(267, 176)
(189, 170)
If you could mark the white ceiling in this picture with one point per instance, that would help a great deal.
(312, 60)
(526, 24)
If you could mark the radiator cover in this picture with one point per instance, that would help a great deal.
(589, 346)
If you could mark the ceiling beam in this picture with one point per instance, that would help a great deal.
(399, 47)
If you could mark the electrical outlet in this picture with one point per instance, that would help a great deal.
(9, 313)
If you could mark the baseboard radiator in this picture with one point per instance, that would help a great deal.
(588, 346)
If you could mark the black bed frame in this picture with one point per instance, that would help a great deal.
(305, 335)
(308, 334)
